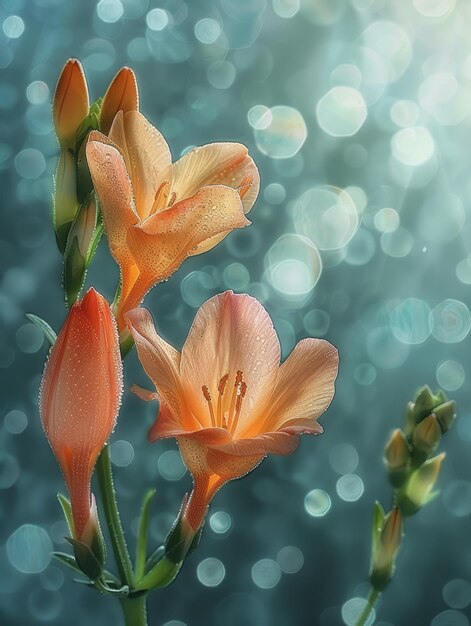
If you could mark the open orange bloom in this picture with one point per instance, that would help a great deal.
(226, 398)
(80, 394)
(157, 213)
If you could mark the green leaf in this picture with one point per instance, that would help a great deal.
(141, 547)
(67, 510)
(47, 331)
(67, 560)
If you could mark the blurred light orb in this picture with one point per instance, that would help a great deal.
(220, 522)
(457, 593)
(434, 8)
(284, 134)
(294, 265)
(391, 42)
(441, 95)
(37, 92)
(274, 193)
(211, 572)
(29, 338)
(316, 322)
(410, 321)
(29, 549)
(266, 573)
(405, 113)
(110, 11)
(13, 26)
(207, 30)
(358, 195)
(244, 243)
(361, 248)
(44, 605)
(387, 220)
(236, 276)
(457, 498)
(441, 218)
(290, 559)
(286, 8)
(343, 458)
(463, 270)
(450, 375)
(384, 350)
(30, 163)
(221, 74)
(259, 116)
(157, 19)
(365, 374)
(451, 321)
(398, 243)
(450, 618)
(15, 422)
(341, 112)
(352, 609)
(197, 287)
(413, 146)
(346, 75)
(9, 470)
(122, 453)
(170, 465)
(350, 487)
(317, 503)
(323, 12)
(327, 215)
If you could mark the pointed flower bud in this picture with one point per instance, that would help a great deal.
(384, 556)
(423, 404)
(397, 458)
(70, 103)
(425, 438)
(66, 204)
(418, 490)
(121, 95)
(80, 395)
(446, 414)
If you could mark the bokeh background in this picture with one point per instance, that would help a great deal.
(358, 115)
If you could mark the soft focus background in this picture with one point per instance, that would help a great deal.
(358, 115)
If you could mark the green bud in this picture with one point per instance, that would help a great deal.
(423, 404)
(383, 558)
(410, 419)
(425, 438)
(86, 559)
(397, 458)
(446, 415)
(66, 204)
(418, 490)
(161, 575)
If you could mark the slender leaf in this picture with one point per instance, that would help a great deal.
(67, 560)
(67, 510)
(141, 547)
(47, 331)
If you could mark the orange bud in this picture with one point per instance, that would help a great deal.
(71, 102)
(121, 95)
(80, 395)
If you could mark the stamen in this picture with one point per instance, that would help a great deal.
(172, 200)
(221, 387)
(207, 397)
(235, 393)
(241, 391)
(160, 198)
(245, 185)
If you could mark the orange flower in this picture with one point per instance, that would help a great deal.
(226, 398)
(157, 213)
(80, 394)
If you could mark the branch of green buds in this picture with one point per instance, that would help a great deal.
(413, 473)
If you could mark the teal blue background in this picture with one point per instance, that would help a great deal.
(195, 93)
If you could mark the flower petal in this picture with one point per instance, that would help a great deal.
(304, 388)
(165, 240)
(146, 154)
(71, 102)
(217, 164)
(230, 333)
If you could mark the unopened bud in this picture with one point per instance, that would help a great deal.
(66, 204)
(446, 414)
(425, 438)
(418, 490)
(397, 458)
(384, 557)
(121, 95)
(70, 103)
(89, 549)
(423, 404)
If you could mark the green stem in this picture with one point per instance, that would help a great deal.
(369, 606)
(120, 549)
(134, 609)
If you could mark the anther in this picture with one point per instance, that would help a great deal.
(172, 199)
(207, 397)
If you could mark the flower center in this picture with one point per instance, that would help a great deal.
(226, 417)
(162, 200)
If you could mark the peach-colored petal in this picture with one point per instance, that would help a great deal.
(304, 388)
(121, 95)
(217, 164)
(161, 363)
(71, 103)
(146, 154)
(144, 394)
(230, 333)
(161, 243)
